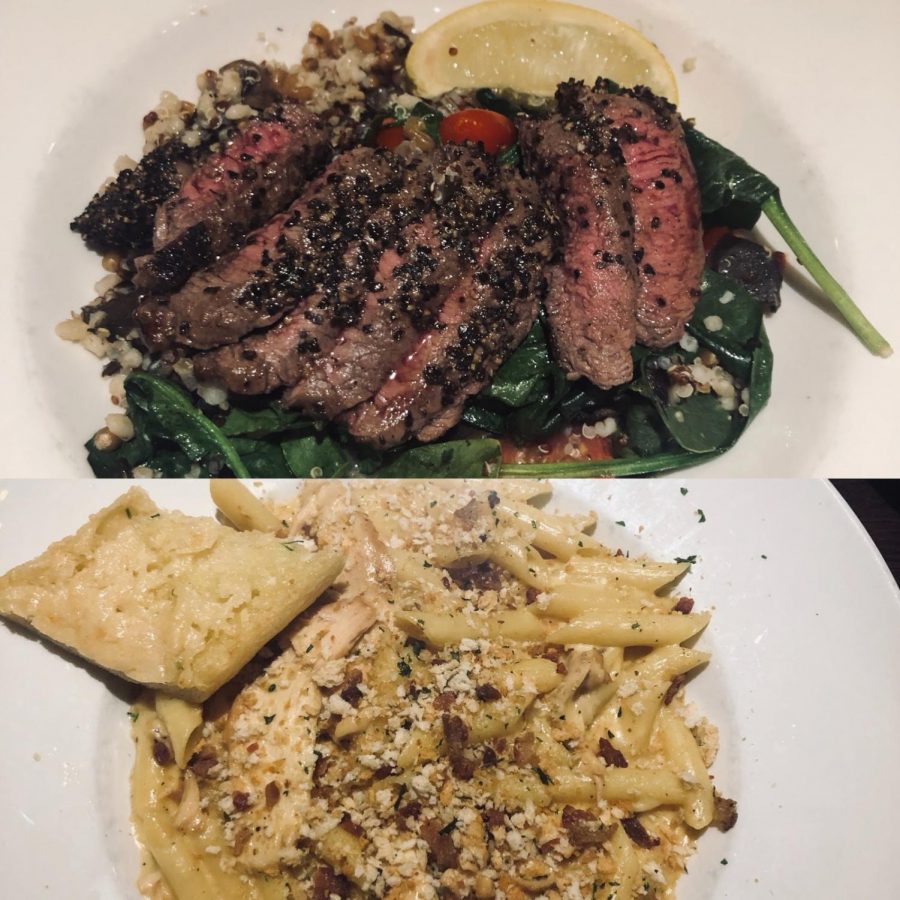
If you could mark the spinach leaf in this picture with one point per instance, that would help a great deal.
(263, 459)
(735, 194)
(265, 422)
(161, 454)
(450, 459)
(741, 316)
(170, 433)
(317, 452)
(760, 387)
(644, 429)
(732, 191)
(699, 423)
(430, 118)
(519, 380)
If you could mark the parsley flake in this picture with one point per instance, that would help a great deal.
(702, 516)
(690, 560)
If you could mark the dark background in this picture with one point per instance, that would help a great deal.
(877, 505)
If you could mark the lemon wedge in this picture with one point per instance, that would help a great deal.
(531, 46)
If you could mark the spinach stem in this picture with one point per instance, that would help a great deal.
(854, 316)
(607, 468)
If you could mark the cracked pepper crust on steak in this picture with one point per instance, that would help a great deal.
(617, 167)
(668, 235)
(593, 287)
(260, 171)
(483, 319)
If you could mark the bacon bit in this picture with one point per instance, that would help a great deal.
(252, 748)
(326, 883)
(462, 767)
(634, 828)
(553, 652)
(547, 846)
(584, 829)
(684, 605)
(499, 744)
(151, 118)
(561, 668)
(531, 595)
(162, 752)
(350, 826)
(489, 758)
(240, 841)
(487, 692)
(241, 801)
(611, 756)
(619, 553)
(411, 810)
(482, 577)
(273, 794)
(724, 812)
(320, 768)
(493, 818)
(350, 691)
(441, 850)
(384, 772)
(523, 750)
(457, 734)
(673, 689)
(202, 761)
(444, 701)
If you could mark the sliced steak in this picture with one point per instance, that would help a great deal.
(261, 170)
(503, 244)
(261, 363)
(216, 305)
(668, 236)
(355, 367)
(592, 290)
(322, 253)
(121, 216)
(414, 279)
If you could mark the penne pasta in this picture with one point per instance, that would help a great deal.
(639, 629)
(242, 507)
(524, 722)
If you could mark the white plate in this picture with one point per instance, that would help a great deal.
(803, 685)
(794, 87)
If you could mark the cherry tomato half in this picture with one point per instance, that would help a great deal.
(390, 137)
(491, 129)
